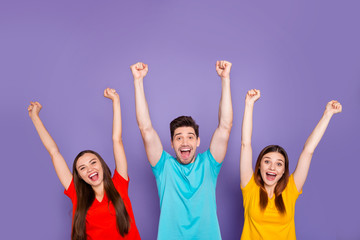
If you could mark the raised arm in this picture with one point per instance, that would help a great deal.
(118, 147)
(152, 143)
(61, 168)
(246, 169)
(220, 138)
(303, 165)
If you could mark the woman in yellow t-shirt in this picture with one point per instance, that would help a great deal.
(270, 192)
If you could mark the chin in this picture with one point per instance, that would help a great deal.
(184, 162)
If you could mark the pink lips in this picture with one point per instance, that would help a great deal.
(185, 152)
(94, 176)
(270, 176)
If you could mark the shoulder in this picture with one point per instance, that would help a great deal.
(163, 163)
(291, 187)
(207, 156)
(250, 185)
(71, 191)
(121, 184)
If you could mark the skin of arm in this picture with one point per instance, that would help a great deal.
(61, 168)
(246, 169)
(220, 138)
(303, 165)
(118, 147)
(151, 139)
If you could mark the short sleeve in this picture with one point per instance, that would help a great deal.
(291, 188)
(248, 186)
(121, 184)
(71, 192)
(215, 166)
(159, 167)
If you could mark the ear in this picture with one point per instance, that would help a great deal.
(198, 142)
(172, 144)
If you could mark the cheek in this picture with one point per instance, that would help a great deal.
(281, 170)
(262, 166)
(262, 169)
(81, 175)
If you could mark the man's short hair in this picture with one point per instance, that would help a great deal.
(183, 121)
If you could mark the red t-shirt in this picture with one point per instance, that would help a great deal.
(101, 216)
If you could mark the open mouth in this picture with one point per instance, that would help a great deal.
(185, 153)
(270, 176)
(94, 176)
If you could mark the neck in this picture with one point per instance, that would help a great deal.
(270, 190)
(99, 190)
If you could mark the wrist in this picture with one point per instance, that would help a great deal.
(116, 99)
(249, 104)
(35, 117)
(140, 79)
(328, 113)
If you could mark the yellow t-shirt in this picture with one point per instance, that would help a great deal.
(268, 224)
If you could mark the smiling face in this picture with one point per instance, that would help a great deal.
(184, 142)
(272, 168)
(89, 169)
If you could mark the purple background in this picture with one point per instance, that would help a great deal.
(301, 54)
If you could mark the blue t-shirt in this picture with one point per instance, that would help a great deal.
(187, 198)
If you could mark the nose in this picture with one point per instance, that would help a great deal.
(272, 166)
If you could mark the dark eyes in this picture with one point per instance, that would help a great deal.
(180, 138)
(278, 164)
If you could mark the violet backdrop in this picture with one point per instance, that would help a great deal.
(300, 54)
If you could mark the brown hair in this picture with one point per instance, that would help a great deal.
(86, 196)
(183, 121)
(281, 184)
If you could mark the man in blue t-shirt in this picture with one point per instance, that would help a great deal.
(186, 184)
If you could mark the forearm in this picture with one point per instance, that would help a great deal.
(247, 124)
(45, 137)
(246, 169)
(142, 109)
(117, 124)
(318, 132)
(225, 106)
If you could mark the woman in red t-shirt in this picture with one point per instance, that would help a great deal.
(101, 206)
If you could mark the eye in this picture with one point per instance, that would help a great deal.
(178, 138)
(93, 162)
(191, 137)
(279, 164)
(82, 168)
(266, 161)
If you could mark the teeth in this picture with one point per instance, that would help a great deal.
(92, 174)
(273, 174)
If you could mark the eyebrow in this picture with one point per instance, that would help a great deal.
(275, 159)
(187, 133)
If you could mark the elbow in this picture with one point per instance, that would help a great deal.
(117, 139)
(245, 144)
(144, 127)
(308, 151)
(226, 125)
(54, 153)
(146, 130)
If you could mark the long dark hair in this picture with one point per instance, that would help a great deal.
(281, 184)
(86, 196)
